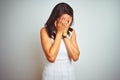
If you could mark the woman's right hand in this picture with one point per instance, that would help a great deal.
(59, 24)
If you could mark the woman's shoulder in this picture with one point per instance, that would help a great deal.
(42, 30)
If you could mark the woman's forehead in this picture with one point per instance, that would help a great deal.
(66, 16)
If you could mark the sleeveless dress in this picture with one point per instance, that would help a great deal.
(61, 69)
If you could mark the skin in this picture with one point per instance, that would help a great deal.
(51, 48)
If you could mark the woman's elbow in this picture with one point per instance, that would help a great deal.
(51, 59)
(76, 58)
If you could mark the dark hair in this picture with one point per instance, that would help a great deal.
(58, 10)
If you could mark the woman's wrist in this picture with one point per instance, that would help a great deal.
(59, 34)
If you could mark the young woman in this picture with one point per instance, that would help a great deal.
(59, 44)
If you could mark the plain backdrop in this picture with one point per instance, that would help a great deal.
(97, 25)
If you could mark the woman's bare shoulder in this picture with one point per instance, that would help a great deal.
(42, 30)
(44, 33)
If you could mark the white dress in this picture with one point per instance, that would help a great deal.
(61, 69)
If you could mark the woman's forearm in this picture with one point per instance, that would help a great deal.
(55, 46)
(73, 50)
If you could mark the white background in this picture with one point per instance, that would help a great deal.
(97, 25)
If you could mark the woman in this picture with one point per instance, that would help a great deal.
(59, 44)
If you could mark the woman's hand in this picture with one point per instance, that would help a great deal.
(66, 26)
(59, 24)
(62, 24)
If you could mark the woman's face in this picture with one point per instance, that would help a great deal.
(66, 20)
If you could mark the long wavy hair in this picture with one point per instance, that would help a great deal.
(58, 10)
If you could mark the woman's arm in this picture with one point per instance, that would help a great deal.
(72, 47)
(50, 48)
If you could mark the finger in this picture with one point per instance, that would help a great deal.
(61, 18)
(65, 30)
(64, 20)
